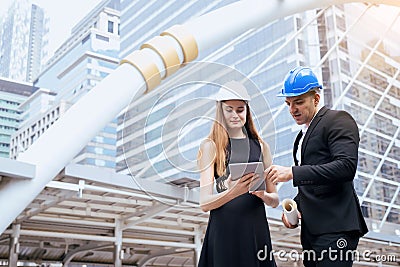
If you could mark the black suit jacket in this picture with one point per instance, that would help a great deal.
(326, 197)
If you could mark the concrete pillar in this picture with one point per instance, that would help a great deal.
(118, 252)
(197, 242)
(14, 245)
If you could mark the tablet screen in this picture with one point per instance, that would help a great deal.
(237, 170)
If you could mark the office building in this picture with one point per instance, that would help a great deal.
(23, 41)
(37, 114)
(147, 136)
(83, 60)
(362, 75)
(159, 135)
(12, 94)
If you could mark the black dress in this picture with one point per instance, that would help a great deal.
(238, 232)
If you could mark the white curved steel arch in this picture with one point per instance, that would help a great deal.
(233, 19)
(91, 113)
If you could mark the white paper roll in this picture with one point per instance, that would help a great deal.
(290, 210)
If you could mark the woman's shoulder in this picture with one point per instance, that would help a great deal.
(259, 141)
(207, 145)
(264, 145)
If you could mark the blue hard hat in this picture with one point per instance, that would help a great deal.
(299, 81)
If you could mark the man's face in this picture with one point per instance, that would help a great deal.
(303, 107)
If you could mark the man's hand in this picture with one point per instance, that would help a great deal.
(287, 224)
(278, 174)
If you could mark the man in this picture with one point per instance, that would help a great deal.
(325, 154)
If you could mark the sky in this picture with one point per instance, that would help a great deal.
(63, 14)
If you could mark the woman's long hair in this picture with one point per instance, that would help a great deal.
(219, 136)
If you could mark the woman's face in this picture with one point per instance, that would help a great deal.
(234, 113)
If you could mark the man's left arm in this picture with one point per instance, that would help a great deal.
(343, 140)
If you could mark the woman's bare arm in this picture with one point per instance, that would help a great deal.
(208, 199)
(270, 195)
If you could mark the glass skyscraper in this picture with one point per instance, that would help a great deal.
(256, 56)
(83, 60)
(158, 136)
(23, 41)
(361, 71)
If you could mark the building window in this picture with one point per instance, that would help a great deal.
(102, 38)
(110, 26)
(84, 40)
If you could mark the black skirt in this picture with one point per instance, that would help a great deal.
(238, 235)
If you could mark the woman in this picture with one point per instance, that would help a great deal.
(237, 232)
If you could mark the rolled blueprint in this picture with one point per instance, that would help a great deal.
(290, 210)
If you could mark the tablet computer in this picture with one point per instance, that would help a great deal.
(237, 170)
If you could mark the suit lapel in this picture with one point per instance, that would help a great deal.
(311, 128)
(295, 147)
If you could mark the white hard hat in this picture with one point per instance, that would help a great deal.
(231, 91)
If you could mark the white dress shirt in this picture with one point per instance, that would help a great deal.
(304, 131)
